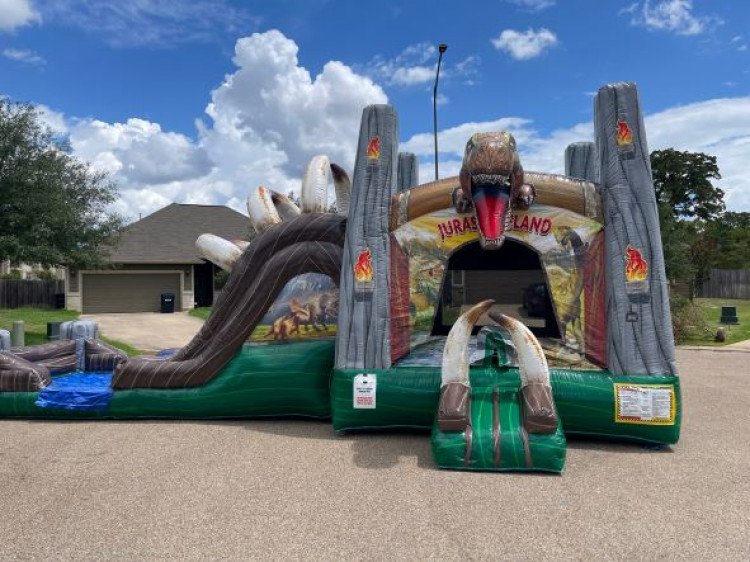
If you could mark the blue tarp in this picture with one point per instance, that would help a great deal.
(78, 391)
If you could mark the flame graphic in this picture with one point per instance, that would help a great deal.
(363, 267)
(636, 268)
(624, 134)
(373, 148)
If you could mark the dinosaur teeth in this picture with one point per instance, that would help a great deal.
(262, 211)
(531, 360)
(456, 352)
(218, 250)
(315, 185)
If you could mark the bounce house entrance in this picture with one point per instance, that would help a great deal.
(512, 276)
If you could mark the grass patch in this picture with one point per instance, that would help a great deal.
(35, 321)
(201, 312)
(121, 345)
(711, 312)
(35, 324)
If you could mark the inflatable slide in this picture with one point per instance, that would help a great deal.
(503, 309)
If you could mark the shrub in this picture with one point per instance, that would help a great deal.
(14, 274)
(688, 320)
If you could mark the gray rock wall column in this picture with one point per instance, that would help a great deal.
(408, 171)
(581, 161)
(363, 334)
(639, 326)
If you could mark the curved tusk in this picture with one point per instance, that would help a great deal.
(343, 186)
(284, 206)
(218, 250)
(315, 185)
(262, 211)
(531, 360)
(456, 351)
(241, 244)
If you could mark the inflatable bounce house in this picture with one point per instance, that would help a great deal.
(502, 309)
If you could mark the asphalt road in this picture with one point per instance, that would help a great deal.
(294, 490)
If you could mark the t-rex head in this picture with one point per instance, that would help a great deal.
(491, 178)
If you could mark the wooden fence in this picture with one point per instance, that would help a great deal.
(727, 284)
(29, 292)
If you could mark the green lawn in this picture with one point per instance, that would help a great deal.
(201, 312)
(712, 311)
(35, 320)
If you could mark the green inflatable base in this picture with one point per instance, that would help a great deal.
(407, 397)
(546, 452)
(261, 380)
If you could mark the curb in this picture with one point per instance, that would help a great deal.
(725, 349)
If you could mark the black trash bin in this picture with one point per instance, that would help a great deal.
(53, 330)
(167, 303)
(59, 300)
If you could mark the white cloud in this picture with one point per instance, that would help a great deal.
(53, 119)
(156, 23)
(739, 42)
(720, 127)
(408, 76)
(264, 122)
(23, 55)
(417, 64)
(17, 13)
(670, 15)
(533, 5)
(524, 45)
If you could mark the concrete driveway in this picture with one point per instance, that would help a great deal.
(148, 331)
(249, 490)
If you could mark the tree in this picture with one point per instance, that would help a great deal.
(690, 208)
(683, 183)
(730, 235)
(53, 207)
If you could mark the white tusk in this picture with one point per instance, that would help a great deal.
(218, 250)
(531, 360)
(284, 206)
(241, 244)
(343, 186)
(456, 351)
(262, 211)
(315, 185)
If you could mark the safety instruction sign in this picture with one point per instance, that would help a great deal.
(645, 404)
(365, 391)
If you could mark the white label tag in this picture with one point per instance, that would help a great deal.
(365, 386)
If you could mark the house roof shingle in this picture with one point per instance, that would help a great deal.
(169, 234)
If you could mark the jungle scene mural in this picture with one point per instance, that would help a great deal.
(569, 251)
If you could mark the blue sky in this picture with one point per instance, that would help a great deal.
(198, 101)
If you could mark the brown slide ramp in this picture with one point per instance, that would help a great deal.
(311, 243)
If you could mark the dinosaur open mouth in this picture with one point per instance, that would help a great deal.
(491, 207)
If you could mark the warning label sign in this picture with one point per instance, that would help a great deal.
(365, 388)
(645, 404)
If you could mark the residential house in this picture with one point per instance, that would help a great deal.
(157, 255)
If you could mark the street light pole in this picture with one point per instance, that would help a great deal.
(441, 49)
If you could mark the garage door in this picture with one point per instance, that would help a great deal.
(128, 292)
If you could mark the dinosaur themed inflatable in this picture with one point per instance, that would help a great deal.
(504, 310)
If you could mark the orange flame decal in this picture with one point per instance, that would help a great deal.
(624, 134)
(363, 267)
(373, 148)
(636, 268)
